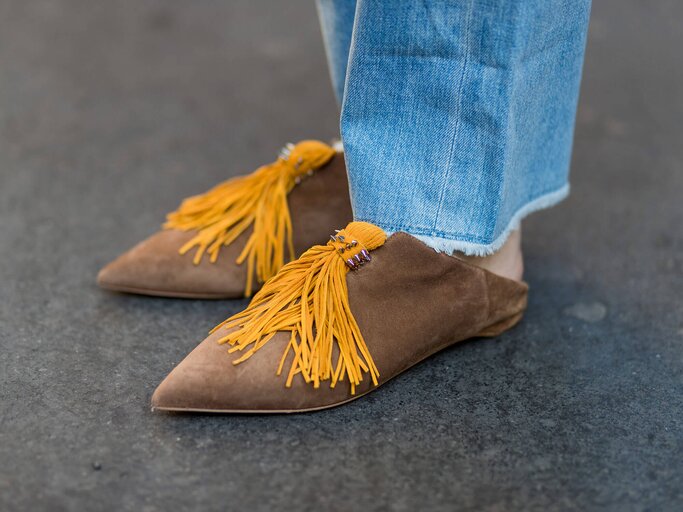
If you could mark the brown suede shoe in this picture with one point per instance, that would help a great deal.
(242, 228)
(333, 325)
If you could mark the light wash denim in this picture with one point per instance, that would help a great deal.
(457, 116)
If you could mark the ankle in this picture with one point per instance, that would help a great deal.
(507, 261)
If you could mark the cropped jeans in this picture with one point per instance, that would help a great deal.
(457, 117)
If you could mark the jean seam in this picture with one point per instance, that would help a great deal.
(456, 130)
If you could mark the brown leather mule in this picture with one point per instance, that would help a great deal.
(407, 301)
(312, 178)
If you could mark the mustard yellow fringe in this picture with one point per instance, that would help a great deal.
(309, 298)
(258, 200)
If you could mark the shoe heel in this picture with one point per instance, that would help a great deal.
(501, 327)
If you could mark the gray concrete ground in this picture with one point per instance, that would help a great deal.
(110, 112)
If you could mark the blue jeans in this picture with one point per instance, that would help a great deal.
(457, 116)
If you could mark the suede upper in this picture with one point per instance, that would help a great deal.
(409, 302)
(317, 205)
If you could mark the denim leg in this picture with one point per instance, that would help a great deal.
(336, 23)
(458, 116)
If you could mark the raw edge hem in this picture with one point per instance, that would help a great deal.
(449, 246)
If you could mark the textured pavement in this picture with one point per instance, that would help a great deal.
(111, 112)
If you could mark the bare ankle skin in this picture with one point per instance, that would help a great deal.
(507, 261)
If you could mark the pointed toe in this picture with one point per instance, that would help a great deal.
(124, 274)
(203, 382)
(208, 381)
(156, 267)
(109, 275)
(176, 393)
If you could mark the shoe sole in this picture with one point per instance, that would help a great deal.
(166, 294)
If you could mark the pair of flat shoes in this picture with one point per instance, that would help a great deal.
(339, 312)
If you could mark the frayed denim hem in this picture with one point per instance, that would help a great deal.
(449, 246)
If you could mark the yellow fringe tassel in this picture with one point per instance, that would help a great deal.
(309, 298)
(259, 200)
